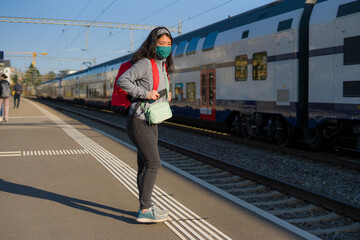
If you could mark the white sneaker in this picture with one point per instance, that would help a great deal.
(150, 216)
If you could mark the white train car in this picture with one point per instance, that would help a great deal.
(243, 70)
(334, 70)
(289, 69)
(92, 86)
(49, 89)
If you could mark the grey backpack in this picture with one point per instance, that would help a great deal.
(4, 89)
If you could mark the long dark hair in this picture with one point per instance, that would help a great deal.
(148, 48)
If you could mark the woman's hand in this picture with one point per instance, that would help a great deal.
(153, 95)
(169, 96)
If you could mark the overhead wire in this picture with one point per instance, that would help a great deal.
(188, 19)
(113, 34)
(102, 12)
(206, 11)
(66, 28)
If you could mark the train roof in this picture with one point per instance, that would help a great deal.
(257, 14)
(50, 81)
(270, 10)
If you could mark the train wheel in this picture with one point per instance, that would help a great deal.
(236, 125)
(283, 133)
(247, 130)
(314, 137)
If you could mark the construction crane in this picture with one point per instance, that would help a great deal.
(34, 54)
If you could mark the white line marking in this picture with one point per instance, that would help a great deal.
(10, 155)
(44, 152)
(30, 117)
(10, 152)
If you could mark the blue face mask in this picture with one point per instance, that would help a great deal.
(163, 52)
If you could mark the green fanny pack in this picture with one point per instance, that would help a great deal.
(158, 113)
(161, 111)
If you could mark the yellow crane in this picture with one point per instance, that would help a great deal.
(34, 54)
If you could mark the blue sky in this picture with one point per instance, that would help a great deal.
(66, 42)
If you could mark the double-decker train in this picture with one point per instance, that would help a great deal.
(287, 70)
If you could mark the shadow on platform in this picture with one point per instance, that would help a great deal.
(67, 201)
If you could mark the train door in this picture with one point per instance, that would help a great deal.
(284, 67)
(76, 95)
(104, 90)
(208, 94)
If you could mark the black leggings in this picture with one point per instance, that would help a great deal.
(17, 96)
(145, 138)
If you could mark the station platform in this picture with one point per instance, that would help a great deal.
(62, 179)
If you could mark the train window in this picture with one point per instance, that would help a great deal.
(259, 66)
(203, 87)
(284, 25)
(209, 41)
(351, 89)
(190, 92)
(211, 89)
(241, 68)
(245, 34)
(348, 8)
(180, 49)
(179, 91)
(351, 53)
(191, 48)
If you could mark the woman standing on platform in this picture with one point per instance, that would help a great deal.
(138, 83)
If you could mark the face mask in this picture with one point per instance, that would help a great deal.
(163, 52)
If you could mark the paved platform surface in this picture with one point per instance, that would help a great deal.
(61, 179)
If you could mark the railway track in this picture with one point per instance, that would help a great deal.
(319, 215)
(337, 156)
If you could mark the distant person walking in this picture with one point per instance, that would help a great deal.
(17, 92)
(138, 82)
(4, 96)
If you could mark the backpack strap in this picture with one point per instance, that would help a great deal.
(155, 72)
(167, 73)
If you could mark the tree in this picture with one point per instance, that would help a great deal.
(15, 78)
(50, 76)
(32, 76)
